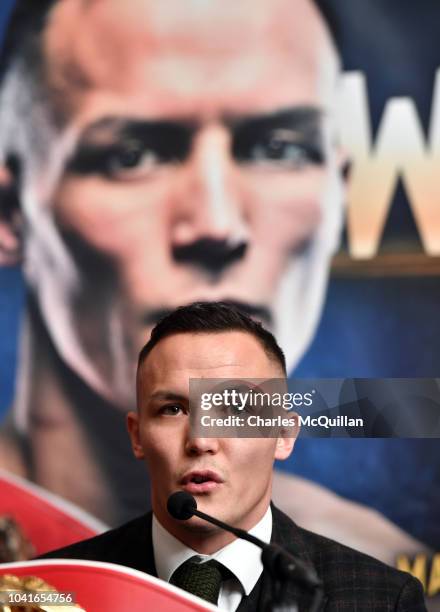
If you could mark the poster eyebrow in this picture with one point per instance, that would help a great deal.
(108, 129)
(116, 126)
(296, 117)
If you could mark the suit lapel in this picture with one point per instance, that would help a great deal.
(286, 534)
(142, 547)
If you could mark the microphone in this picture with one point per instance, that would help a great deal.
(181, 505)
(280, 563)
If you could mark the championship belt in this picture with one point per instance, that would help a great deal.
(34, 521)
(68, 585)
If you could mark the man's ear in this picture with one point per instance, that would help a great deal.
(10, 218)
(132, 421)
(286, 441)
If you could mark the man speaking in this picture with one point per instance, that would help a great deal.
(231, 479)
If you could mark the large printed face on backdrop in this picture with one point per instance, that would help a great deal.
(193, 159)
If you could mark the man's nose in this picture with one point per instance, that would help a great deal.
(200, 446)
(209, 228)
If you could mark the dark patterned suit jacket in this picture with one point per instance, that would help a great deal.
(353, 582)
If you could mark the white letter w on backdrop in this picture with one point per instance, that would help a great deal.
(400, 150)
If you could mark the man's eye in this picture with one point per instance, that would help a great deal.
(131, 161)
(134, 154)
(281, 147)
(171, 409)
(278, 150)
(231, 409)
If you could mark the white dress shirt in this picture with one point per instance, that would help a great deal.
(242, 558)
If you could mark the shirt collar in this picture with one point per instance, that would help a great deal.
(242, 558)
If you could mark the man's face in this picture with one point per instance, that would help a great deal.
(194, 163)
(240, 468)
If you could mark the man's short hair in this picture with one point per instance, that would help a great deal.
(212, 317)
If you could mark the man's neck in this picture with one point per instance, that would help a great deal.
(209, 540)
(206, 543)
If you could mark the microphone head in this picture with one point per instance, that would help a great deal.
(181, 505)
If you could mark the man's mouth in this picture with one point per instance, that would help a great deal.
(201, 481)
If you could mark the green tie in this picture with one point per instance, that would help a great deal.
(201, 579)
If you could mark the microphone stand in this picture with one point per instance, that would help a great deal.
(282, 566)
